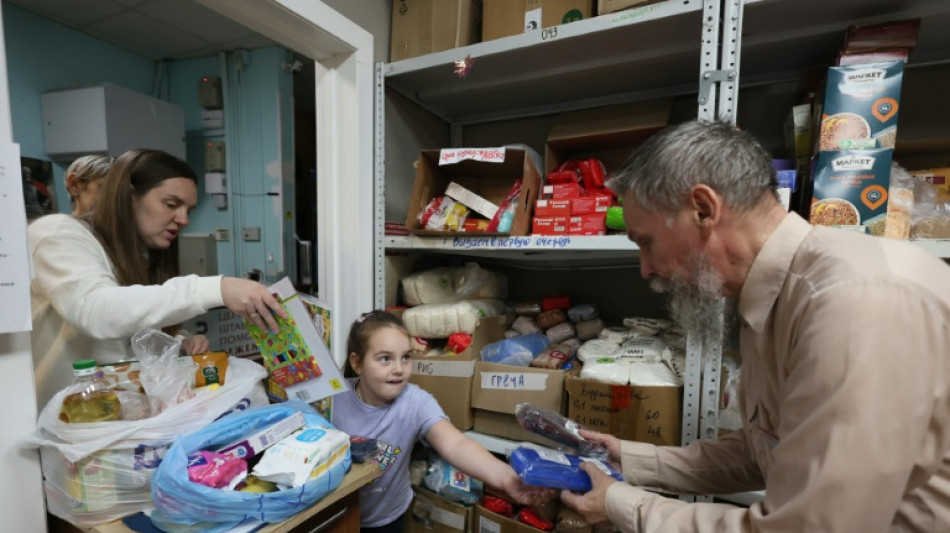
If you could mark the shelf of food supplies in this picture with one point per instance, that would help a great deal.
(779, 36)
(564, 251)
(635, 54)
(502, 446)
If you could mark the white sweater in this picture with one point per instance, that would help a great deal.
(80, 311)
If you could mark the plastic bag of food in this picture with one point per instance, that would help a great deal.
(166, 382)
(443, 214)
(558, 428)
(549, 468)
(516, 351)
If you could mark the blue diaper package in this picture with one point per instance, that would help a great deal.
(549, 468)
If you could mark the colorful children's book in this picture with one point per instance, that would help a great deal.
(297, 358)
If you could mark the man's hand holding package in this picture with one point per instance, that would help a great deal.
(592, 505)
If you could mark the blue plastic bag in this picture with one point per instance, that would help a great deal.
(182, 505)
(556, 470)
(516, 351)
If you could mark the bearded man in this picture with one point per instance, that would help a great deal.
(845, 344)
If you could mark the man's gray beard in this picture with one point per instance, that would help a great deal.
(698, 308)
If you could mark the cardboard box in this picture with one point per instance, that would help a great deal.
(609, 6)
(645, 414)
(589, 205)
(501, 18)
(431, 513)
(488, 172)
(498, 389)
(489, 522)
(426, 26)
(861, 106)
(449, 377)
(608, 133)
(595, 224)
(561, 191)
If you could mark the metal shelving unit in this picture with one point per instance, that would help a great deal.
(642, 53)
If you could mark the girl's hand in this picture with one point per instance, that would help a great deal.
(195, 345)
(251, 300)
(526, 494)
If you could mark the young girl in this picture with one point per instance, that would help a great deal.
(382, 404)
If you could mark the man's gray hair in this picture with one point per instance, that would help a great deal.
(661, 172)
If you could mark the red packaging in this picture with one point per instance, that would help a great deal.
(475, 224)
(498, 506)
(556, 302)
(561, 176)
(560, 191)
(894, 34)
(552, 208)
(586, 205)
(549, 226)
(528, 516)
(458, 342)
(595, 224)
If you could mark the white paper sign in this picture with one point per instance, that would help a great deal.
(451, 156)
(446, 369)
(14, 252)
(514, 381)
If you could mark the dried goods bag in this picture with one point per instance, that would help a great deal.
(438, 321)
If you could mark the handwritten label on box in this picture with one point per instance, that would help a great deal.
(514, 381)
(448, 369)
(451, 156)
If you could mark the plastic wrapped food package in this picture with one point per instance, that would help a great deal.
(616, 335)
(450, 482)
(607, 370)
(582, 312)
(525, 325)
(560, 332)
(553, 357)
(589, 329)
(642, 349)
(527, 308)
(569, 521)
(647, 326)
(510, 334)
(573, 342)
(516, 351)
(549, 468)
(438, 321)
(530, 517)
(556, 302)
(597, 349)
(549, 319)
(558, 428)
(451, 284)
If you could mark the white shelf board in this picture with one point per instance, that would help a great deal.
(560, 251)
(639, 53)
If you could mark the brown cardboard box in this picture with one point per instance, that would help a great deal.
(489, 522)
(425, 26)
(498, 389)
(501, 18)
(431, 513)
(449, 377)
(490, 180)
(645, 414)
(608, 133)
(609, 6)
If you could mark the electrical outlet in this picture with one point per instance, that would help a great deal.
(252, 234)
(222, 234)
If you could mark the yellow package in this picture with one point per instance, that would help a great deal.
(212, 367)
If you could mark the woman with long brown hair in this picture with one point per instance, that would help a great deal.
(102, 278)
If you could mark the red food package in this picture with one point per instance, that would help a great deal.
(556, 302)
(458, 342)
(528, 516)
(499, 506)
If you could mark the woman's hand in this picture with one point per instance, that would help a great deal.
(251, 300)
(195, 345)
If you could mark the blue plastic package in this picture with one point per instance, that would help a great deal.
(549, 468)
(450, 482)
(516, 351)
(181, 505)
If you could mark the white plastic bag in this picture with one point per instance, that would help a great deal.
(98, 472)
